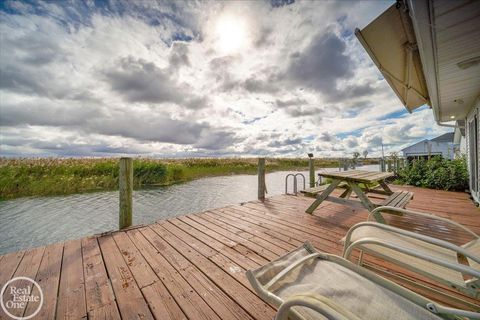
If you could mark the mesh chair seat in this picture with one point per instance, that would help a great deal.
(353, 292)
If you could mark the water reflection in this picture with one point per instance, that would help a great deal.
(32, 222)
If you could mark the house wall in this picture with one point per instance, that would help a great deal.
(463, 146)
(475, 111)
(446, 149)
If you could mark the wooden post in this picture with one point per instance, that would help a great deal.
(389, 165)
(311, 169)
(261, 178)
(382, 165)
(125, 181)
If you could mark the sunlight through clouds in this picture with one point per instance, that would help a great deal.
(182, 79)
(232, 33)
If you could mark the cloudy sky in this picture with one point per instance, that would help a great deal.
(182, 79)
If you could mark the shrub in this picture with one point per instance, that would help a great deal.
(436, 173)
(149, 172)
(177, 173)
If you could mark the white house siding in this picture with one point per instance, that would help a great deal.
(474, 189)
(445, 149)
(463, 146)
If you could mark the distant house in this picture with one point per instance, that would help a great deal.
(443, 146)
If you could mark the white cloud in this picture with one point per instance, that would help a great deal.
(186, 79)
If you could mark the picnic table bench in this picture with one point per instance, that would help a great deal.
(312, 192)
(398, 199)
(357, 181)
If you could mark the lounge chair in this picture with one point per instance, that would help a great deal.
(306, 284)
(457, 266)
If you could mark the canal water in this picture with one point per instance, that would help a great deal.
(33, 222)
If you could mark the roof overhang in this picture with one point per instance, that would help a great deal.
(429, 52)
(390, 42)
(448, 34)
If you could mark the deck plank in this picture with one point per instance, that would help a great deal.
(9, 265)
(215, 298)
(71, 295)
(48, 278)
(222, 261)
(144, 275)
(252, 223)
(28, 267)
(130, 300)
(187, 298)
(161, 303)
(250, 234)
(245, 298)
(241, 259)
(100, 299)
(267, 251)
(241, 248)
(258, 231)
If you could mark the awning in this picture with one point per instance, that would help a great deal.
(390, 42)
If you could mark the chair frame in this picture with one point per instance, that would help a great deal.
(332, 310)
(376, 214)
(471, 286)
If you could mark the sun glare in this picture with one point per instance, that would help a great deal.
(231, 33)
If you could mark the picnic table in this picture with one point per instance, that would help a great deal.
(351, 181)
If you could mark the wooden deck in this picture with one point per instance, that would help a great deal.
(193, 267)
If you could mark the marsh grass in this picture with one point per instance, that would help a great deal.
(60, 176)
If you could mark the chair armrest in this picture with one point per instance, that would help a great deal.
(438, 242)
(320, 304)
(386, 209)
(454, 266)
(437, 309)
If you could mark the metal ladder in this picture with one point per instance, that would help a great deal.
(295, 182)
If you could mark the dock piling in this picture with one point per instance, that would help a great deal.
(261, 179)
(311, 169)
(382, 165)
(125, 182)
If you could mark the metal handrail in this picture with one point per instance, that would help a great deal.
(295, 182)
(286, 182)
(301, 175)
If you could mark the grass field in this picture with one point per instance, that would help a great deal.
(53, 176)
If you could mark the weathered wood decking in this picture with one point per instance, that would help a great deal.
(193, 267)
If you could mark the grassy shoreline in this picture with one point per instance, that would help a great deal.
(55, 176)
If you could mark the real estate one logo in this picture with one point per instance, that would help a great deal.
(17, 294)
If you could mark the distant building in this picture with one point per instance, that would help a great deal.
(443, 146)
